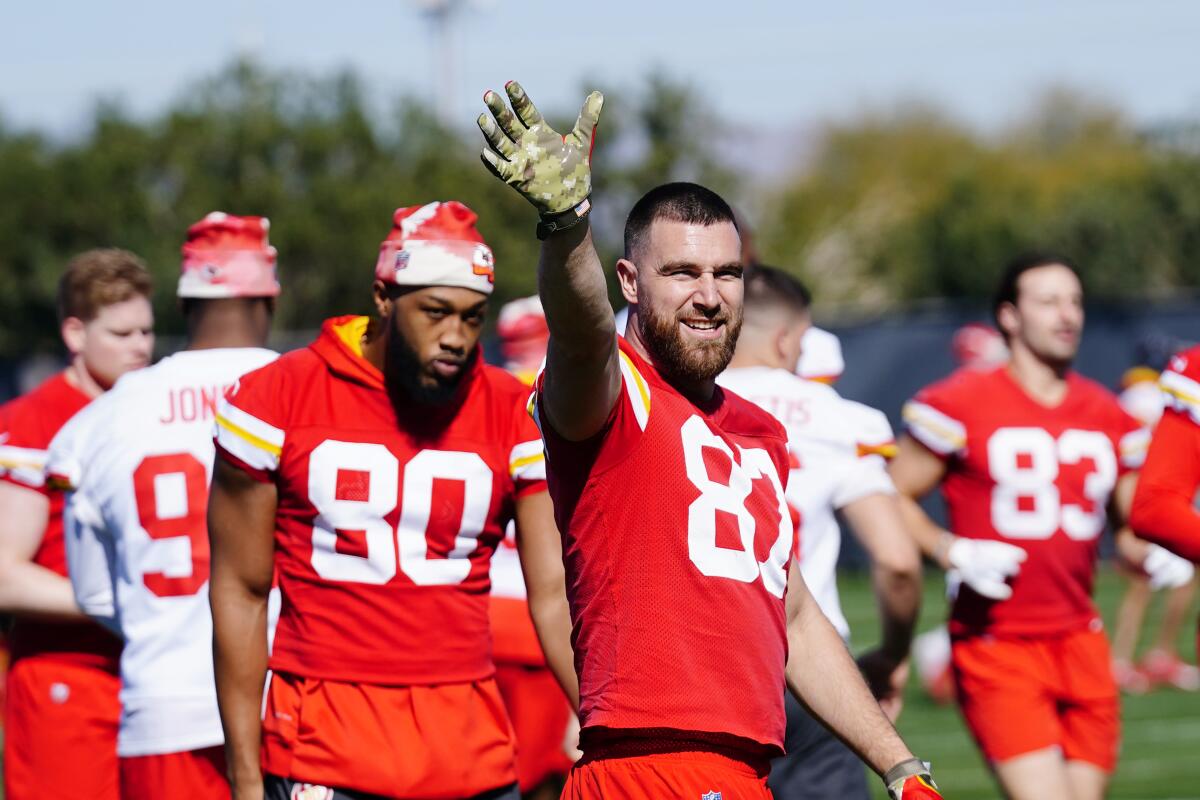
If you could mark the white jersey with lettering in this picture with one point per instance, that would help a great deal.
(838, 449)
(137, 466)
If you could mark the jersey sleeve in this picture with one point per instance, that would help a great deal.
(251, 420)
(932, 418)
(864, 469)
(527, 459)
(71, 448)
(626, 421)
(1133, 440)
(23, 447)
(1163, 510)
(90, 559)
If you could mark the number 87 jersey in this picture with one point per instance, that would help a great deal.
(1036, 476)
(387, 516)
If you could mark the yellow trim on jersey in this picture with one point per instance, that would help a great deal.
(351, 333)
(914, 416)
(242, 433)
(885, 449)
(1179, 395)
(637, 379)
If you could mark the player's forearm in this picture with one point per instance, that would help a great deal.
(574, 293)
(823, 676)
(929, 536)
(30, 589)
(1167, 518)
(240, 667)
(898, 594)
(552, 621)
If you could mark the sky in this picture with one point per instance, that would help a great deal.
(765, 65)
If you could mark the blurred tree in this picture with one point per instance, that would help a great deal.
(311, 154)
(912, 205)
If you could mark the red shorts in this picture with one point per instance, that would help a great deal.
(198, 774)
(1019, 695)
(60, 726)
(541, 718)
(446, 741)
(692, 775)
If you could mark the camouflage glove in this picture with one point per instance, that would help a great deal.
(550, 170)
(911, 780)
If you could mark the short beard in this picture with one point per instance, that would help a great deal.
(403, 372)
(687, 364)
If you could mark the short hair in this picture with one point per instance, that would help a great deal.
(1007, 290)
(99, 278)
(770, 288)
(676, 202)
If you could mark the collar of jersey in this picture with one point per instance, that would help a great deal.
(340, 345)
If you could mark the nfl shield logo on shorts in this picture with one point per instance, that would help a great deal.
(711, 796)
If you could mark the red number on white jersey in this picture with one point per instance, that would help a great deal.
(171, 492)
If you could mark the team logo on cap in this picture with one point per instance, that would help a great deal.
(483, 262)
(401, 259)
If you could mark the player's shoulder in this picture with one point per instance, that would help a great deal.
(1186, 364)
(963, 387)
(502, 383)
(745, 418)
(869, 424)
(35, 417)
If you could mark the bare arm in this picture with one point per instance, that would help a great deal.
(823, 676)
(27, 588)
(583, 376)
(553, 172)
(916, 472)
(241, 529)
(896, 576)
(540, 547)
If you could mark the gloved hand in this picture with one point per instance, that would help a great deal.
(911, 780)
(986, 565)
(550, 170)
(1166, 570)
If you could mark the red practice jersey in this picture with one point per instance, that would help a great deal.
(676, 539)
(30, 423)
(387, 519)
(1033, 476)
(1163, 508)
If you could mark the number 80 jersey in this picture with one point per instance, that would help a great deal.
(387, 516)
(1035, 476)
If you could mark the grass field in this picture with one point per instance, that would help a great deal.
(1160, 755)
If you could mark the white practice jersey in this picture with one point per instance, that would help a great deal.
(838, 450)
(137, 463)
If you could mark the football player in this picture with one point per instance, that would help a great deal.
(1030, 455)
(137, 464)
(377, 470)
(1163, 507)
(545, 727)
(62, 706)
(668, 492)
(839, 450)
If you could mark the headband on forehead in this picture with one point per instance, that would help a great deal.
(228, 256)
(436, 244)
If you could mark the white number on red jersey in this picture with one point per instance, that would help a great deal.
(1025, 462)
(354, 487)
(739, 564)
(171, 492)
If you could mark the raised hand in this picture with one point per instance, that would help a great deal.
(550, 170)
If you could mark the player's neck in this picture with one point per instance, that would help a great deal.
(753, 354)
(1044, 382)
(226, 324)
(77, 375)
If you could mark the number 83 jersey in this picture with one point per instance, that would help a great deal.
(1035, 476)
(387, 515)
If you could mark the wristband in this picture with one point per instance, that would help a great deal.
(561, 221)
(906, 769)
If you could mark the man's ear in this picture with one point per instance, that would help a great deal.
(74, 335)
(627, 278)
(383, 299)
(1006, 318)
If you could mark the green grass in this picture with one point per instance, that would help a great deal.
(1160, 754)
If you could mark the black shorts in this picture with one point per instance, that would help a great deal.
(276, 788)
(817, 765)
